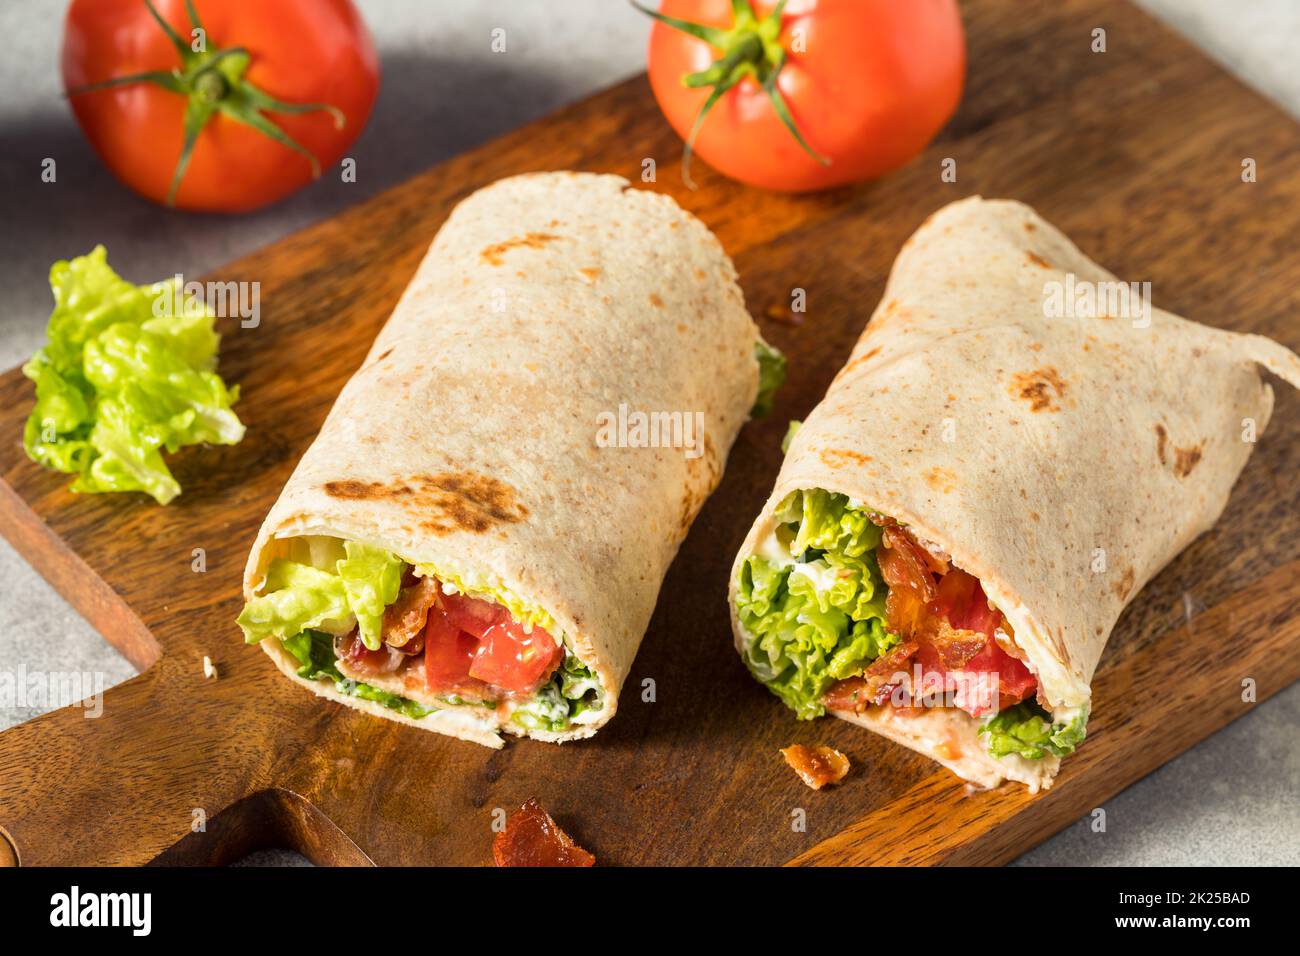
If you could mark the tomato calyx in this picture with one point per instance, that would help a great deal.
(212, 81)
(751, 48)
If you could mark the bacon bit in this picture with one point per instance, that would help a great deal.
(907, 563)
(876, 684)
(817, 766)
(357, 659)
(956, 647)
(404, 618)
(532, 838)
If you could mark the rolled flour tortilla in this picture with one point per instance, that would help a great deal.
(1060, 459)
(476, 455)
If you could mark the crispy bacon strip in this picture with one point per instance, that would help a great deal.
(404, 618)
(532, 838)
(905, 564)
(876, 683)
(956, 647)
(816, 766)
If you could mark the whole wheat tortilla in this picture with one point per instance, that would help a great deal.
(1063, 460)
(467, 440)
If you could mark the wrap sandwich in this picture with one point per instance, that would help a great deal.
(475, 540)
(1017, 444)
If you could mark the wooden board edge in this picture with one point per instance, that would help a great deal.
(89, 594)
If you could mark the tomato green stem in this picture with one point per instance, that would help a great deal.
(212, 81)
(751, 48)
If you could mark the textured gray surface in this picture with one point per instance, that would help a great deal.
(1231, 799)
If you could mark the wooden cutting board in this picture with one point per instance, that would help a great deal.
(1136, 153)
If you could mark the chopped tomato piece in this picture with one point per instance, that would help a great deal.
(961, 601)
(989, 682)
(817, 766)
(532, 838)
(471, 614)
(448, 653)
(511, 657)
(471, 643)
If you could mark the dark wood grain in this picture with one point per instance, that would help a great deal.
(1136, 153)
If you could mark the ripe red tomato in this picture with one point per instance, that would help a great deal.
(470, 639)
(302, 56)
(867, 84)
(510, 657)
(448, 652)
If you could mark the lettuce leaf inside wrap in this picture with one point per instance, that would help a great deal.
(814, 610)
(1027, 729)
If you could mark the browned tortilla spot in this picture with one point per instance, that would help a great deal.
(591, 273)
(533, 240)
(858, 361)
(941, 479)
(451, 501)
(1042, 388)
(1185, 459)
(386, 353)
(1162, 437)
(1038, 260)
(1125, 584)
(351, 489)
(836, 457)
(657, 302)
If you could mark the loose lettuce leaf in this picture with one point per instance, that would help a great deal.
(1027, 729)
(298, 596)
(771, 376)
(821, 617)
(122, 378)
(314, 651)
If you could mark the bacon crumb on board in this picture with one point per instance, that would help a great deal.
(532, 838)
(817, 766)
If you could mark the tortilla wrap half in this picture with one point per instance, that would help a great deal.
(1060, 459)
(469, 443)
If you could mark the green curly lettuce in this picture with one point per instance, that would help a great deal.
(771, 376)
(1027, 729)
(814, 613)
(573, 690)
(122, 378)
